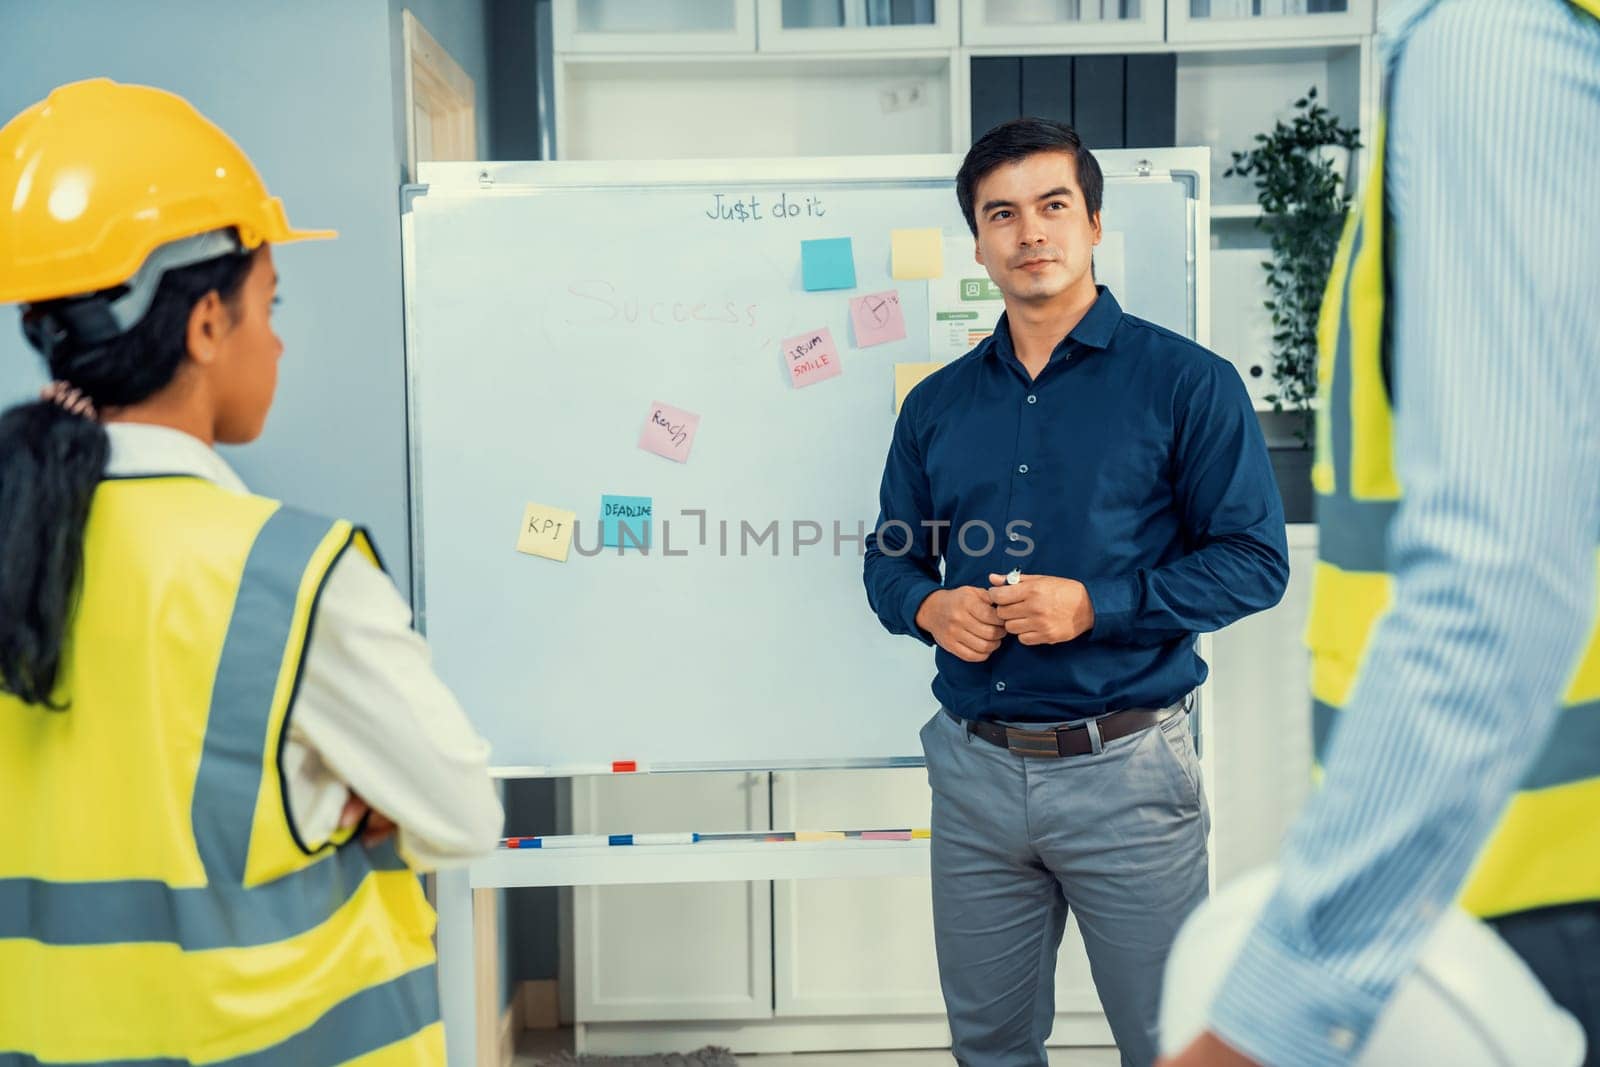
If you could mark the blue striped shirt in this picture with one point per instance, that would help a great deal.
(1493, 164)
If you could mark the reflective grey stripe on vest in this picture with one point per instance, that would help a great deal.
(1340, 423)
(229, 780)
(223, 913)
(221, 916)
(1352, 534)
(1571, 755)
(368, 1020)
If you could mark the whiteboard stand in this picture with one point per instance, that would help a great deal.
(708, 861)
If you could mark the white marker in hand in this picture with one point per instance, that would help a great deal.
(1015, 576)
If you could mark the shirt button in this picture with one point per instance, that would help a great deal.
(1341, 1039)
(999, 687)
(1032, 399)
(1023, 469)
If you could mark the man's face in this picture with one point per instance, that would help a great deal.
(1035, 235)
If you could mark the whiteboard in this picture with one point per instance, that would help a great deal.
(550, 306)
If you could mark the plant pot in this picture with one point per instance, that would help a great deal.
(1292, 469)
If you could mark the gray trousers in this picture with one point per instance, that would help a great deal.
(1118, 836)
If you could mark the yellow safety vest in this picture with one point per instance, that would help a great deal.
(1546, 849)
(156, 900)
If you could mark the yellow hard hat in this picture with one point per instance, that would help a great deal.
(97, 176)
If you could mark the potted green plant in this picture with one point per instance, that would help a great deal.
(1300, 169)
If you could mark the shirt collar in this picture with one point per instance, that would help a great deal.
(139, 450)
(1094, 330)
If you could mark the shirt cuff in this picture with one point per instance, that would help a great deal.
(918, 592)
(1114, 601)
(1277, 1007)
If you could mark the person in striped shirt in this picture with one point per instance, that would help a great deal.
(1453, 633)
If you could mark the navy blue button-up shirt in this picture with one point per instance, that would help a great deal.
(1133, 463)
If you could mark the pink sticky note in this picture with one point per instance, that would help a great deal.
(811, 358)
(877, 318)
(669, 431)
(886, 835)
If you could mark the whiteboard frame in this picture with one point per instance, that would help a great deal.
(1190, 166)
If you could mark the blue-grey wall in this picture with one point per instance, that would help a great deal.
(313, 92)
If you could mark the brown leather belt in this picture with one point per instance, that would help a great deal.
(1071, 740)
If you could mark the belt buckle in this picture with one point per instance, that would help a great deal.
(1032, 743)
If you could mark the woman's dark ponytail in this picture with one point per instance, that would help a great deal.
(52, 458)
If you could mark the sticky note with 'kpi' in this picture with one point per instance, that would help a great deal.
(546, 532)
(916, 254)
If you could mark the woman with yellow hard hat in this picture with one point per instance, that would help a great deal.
(201, 690)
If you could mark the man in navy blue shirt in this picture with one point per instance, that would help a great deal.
(1098, 491)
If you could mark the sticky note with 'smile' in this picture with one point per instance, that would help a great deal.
(811, 357)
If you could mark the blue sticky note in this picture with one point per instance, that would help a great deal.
(630, 511)
(827, 264)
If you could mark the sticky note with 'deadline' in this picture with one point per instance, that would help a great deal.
(916, 254)
(829, 263)
(878, 319)
(906, 377)
(632, 512)
(546, 532)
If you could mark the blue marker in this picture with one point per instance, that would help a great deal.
(601, 840)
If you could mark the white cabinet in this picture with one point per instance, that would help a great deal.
(672, 952)
(865, 948)
(1260, 733)
(618, 26)
(1266, 20)
(1066, 23)
(855, 25)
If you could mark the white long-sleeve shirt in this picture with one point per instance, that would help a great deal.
(371, 715)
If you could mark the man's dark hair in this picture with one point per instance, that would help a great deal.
(1019, 139)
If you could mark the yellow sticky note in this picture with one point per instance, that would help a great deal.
(906, 377)
(546, 532)
(921, 835)
(916, 254)
(819, 835)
